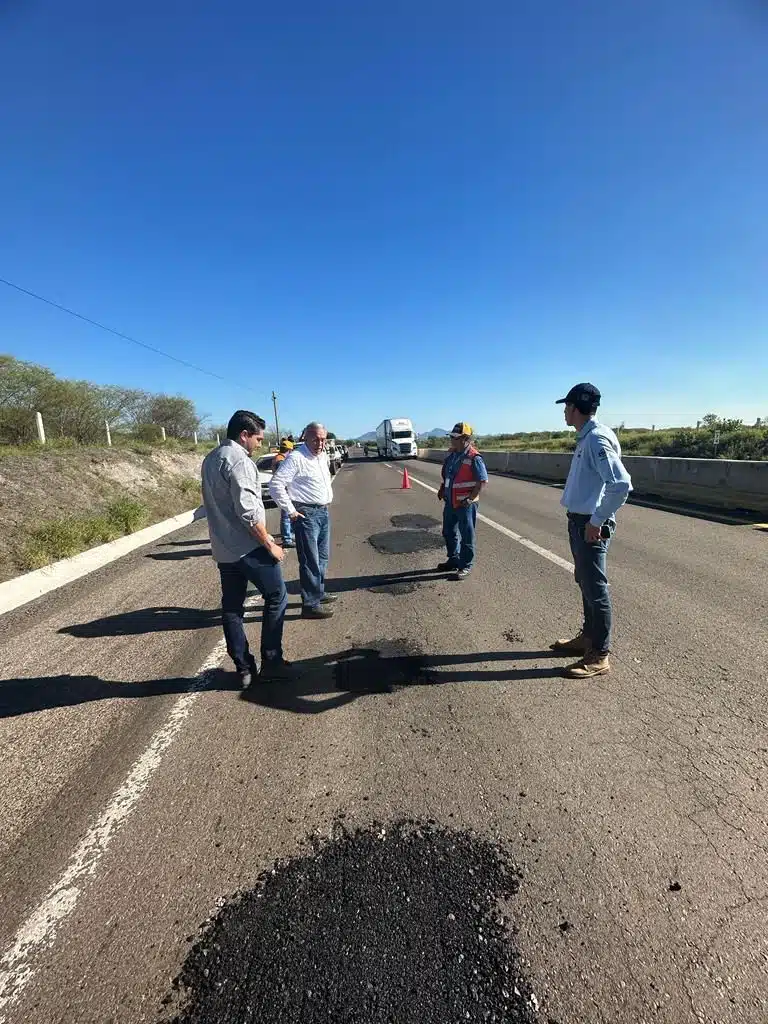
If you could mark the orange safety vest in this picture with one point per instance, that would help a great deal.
(464, 480)
(281, 457)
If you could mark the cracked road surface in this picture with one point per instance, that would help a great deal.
(634, 805)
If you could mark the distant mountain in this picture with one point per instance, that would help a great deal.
(436, 432)
(370, 436)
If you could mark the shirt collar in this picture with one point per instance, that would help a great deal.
(588, 427)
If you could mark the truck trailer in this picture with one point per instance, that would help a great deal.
(396, 439)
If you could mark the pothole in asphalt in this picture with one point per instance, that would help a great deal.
(512, 636)
(402, 922)
(405, 542)
(369, 670)
(398, 589)
(414, 521)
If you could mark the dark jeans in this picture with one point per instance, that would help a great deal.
(590, 573)
(260, 568)
(312, 540)
(459, 528)
(286, 528)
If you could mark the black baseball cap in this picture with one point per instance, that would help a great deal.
(581, 394)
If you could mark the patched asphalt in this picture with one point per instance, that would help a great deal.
(414, 521)
(402, 923)
(405, 542)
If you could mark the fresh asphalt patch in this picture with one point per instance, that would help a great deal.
(405, 542)
(404, 923)
(414, 521)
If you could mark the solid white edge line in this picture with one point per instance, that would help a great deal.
(544, 552)
(26, 588)
(39, 930)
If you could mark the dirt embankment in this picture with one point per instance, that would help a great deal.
(44, 488)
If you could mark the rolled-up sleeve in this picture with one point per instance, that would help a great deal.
(246, 493)
(278, 486)
(479, 470)
(614, 475)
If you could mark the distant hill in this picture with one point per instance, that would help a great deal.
(370, 436)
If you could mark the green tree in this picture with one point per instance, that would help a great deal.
(174, 412)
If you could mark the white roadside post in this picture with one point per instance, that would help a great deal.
(109, 435)
(218, 439)
(40, 428)
(162, 433)
(195, 437)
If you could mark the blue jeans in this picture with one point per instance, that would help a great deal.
(261, 569)
(312, 540)
(459, 528)
(590, 573)
(286, 528)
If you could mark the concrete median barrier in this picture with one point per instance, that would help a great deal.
(727, 484)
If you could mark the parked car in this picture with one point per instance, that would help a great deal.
(334, 457)
(265, 467)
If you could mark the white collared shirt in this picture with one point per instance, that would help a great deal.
(302, 478)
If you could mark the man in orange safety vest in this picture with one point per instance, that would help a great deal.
(464, 477)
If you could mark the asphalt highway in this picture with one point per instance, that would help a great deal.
(139, 799)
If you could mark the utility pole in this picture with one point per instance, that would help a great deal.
(277, 425)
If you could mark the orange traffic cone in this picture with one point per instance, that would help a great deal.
(406, 482)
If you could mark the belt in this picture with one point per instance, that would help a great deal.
(578, 515)
(307, 504)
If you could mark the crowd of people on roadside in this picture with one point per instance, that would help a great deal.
(597, 486)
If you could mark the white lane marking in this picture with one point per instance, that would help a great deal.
(544, 552)
(39, 930)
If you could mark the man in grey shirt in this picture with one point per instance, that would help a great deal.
(243, 549)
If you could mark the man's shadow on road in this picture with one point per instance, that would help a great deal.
(331, 681)
(151, 620)
(166, 618)
(322, 684)
(23, 696)
(346, 584)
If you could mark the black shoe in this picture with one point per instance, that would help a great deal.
(448, 566)
(461, 574)
(328, 599)
(316, 612)
(274, 670)
(289, 544)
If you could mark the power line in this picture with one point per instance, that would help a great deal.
(111, 330)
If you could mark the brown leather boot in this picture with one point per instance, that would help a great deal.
(578, 645)
(592, 664)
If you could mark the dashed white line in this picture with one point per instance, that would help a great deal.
(544, 552)
(17, 967)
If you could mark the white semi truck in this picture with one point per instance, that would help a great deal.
(396, 439)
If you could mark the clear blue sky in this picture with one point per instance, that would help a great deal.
(444, 211)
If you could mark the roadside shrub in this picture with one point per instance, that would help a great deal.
(127, 515)
(190, 487)
(148, 432)
(62, 538)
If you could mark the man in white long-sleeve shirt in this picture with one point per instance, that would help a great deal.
(301, 486)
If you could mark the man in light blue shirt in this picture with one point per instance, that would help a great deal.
(596, 488)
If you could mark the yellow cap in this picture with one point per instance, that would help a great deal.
(462, 430)
(286, 446)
